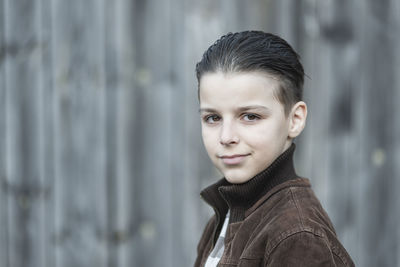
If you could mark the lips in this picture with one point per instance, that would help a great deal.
(233, 159)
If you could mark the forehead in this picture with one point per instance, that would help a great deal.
(219, 89)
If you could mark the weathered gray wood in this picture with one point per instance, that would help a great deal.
(101, 158)
(336, 35)
(23, 184)
(379, 151)
(46, 127)
(124, 224)
(3, 197)
(153, 182)
(353, 94)
(80, 186)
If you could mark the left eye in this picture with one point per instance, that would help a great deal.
(250, 117)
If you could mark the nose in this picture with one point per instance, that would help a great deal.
(228, 135)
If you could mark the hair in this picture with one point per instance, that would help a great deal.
(257, 51)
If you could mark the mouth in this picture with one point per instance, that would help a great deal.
(233, 159)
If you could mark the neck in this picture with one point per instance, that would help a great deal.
(240, 197)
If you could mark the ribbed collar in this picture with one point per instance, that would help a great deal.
(239, 197)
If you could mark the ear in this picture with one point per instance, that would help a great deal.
(297, 119)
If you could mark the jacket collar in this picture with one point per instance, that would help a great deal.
(240, 197)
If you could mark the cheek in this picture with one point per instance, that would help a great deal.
(258, 137)
(266, 136)
(208, 136)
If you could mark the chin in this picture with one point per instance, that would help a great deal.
(237, 179)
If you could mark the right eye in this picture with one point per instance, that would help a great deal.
(211, 119)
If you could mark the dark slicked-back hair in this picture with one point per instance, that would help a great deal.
(258, 51)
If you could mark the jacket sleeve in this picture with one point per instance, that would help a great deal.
(301, 249)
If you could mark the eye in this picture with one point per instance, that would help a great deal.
(211, 118)
(250, 117)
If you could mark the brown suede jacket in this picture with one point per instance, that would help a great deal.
(275, 220)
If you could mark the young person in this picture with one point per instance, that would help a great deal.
(250, 90)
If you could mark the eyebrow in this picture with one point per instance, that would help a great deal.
(245, 108)
(241, 109)
(206, 110)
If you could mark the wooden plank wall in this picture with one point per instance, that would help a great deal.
(101, 157)
(350, 52)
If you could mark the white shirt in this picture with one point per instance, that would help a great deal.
(218, 250)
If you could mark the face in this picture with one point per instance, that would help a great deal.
(244, 127)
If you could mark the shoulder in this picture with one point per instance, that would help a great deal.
(300, 231)
(291, 211)
(295, 208)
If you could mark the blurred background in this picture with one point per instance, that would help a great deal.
(101, 159)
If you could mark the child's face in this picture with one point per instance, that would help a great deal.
(244, 126)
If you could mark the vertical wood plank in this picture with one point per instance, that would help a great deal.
(179, 250)
(111, 125)
(136, 128)
(123, 225)
(154, 179)
(395, 19)
(45, 134)
(3, 142)
(23, 181)
(379, 77)
(80, 137)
